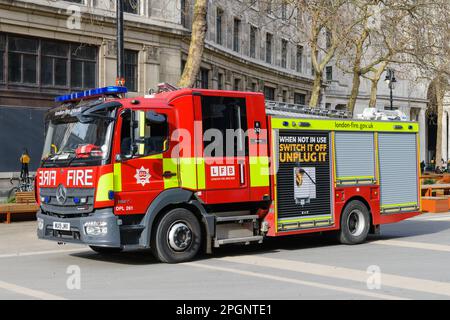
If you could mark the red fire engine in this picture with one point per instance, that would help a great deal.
(191, 169)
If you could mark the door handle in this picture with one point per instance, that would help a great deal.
(241, 174)
(168, 174)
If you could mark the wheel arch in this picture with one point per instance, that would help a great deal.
(168, 200)
(363, 201)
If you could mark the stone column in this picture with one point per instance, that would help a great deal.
(107, 64)
(444, 147)
(149, 77)
(422, 134)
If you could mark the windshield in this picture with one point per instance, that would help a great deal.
(72, 142)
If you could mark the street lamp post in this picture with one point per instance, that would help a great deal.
(120, 80)
(390, 80)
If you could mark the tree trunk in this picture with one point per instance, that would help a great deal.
(315, 94)
(355, 91)
(198, 35)
(373, 93)
(374, 86)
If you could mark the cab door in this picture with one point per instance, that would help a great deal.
(144, 167)
(225, 148)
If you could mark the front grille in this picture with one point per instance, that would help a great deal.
(64, 216)
(68, 207)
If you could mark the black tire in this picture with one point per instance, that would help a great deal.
(355, 223)
(105, 250)
(177, 236)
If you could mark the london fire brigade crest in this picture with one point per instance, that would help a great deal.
(142, 176)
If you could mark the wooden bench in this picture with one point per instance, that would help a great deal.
(429, 190)
(435, 204)
(25, 203)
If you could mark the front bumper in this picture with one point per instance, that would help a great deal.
(77, 233)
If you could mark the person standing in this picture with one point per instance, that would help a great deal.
(25, 161)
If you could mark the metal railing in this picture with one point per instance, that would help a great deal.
(306, 110)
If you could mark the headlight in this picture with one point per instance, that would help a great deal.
(96, 228)
(40, 223)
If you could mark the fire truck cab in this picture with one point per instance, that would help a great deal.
(188, 169)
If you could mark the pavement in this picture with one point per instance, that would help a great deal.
(409, 260)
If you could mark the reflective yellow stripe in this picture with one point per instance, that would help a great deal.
(153, 156)
(105, 184)
(345, 125)
(201, 174)
(407, 204)
(141, 130)
(170, 164)
(259, 171)
(188, 172)
(117, 177)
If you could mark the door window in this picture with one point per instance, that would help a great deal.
(224, 126)
(150, 137)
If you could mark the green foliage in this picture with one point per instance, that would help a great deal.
(428, 181)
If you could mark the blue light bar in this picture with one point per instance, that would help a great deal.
(91, 93)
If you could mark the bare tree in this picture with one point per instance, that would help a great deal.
(197, 44)
(430, 51)
(326, 24)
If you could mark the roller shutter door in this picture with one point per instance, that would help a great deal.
(355, 157)
(398, 171)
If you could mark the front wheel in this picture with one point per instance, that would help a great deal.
(177, 236)
(355, 223)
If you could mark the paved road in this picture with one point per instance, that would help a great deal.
(412, 257)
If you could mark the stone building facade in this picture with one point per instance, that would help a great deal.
(52, 47)
(49, 48)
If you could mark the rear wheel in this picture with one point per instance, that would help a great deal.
(355, 223)
(177, 236)
(105, 250)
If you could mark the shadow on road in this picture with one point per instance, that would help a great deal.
(399, 230)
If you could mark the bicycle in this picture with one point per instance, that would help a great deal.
(25, 185)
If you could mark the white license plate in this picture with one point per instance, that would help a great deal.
(63, 226)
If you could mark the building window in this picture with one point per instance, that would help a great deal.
(284, 45)
(183, 13)
(253, 32)
(2, 57)
(269, 7)
(131, 68)
(237, 84)
(220, 85)
(285, 95)
(254, 87)
(203, 82)
(328, 106)
(76, 1)
(219, 21)
(284, 11)
(83, 66)
(131, 6)
(329, 73)
(299, 59)
(22, 60)
(54, 61)
(299, 98)
(236, 34)
(50, 64)
(269, 93)
(328, 39)
(269, 38)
